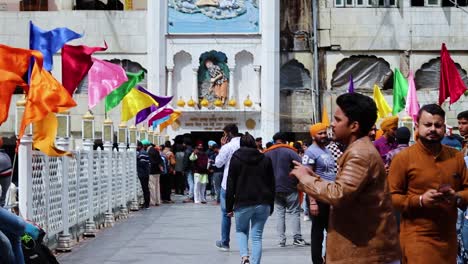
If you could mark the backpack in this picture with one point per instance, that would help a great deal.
(201, 164)
(165, 165)
(34, 251)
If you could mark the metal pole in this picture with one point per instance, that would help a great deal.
(316, 90)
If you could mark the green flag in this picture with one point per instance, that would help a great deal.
(114, 98)
(400, 90)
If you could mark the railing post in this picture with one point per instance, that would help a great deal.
(123, 140)
(64, 239)
(108, 137)
(25, 177)
(90, 227)
(131, 159)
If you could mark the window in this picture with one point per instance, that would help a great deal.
(432, 3)
(339, 3)
(349, 3)
(367, 3)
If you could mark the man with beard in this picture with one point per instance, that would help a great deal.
(387, 141)
(321, 161)
(428, 181)
(362, 228)
(372, 132)
(463, 128)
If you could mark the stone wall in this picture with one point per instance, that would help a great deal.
(296, 111)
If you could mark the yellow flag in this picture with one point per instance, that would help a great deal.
(325, 119)
(44, 133)
(383, 109)
(134, 102)
(172, 118)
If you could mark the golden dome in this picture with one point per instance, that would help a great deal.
(218, 103)
(180, 102)
(204, 103)
(248, 102)
(88, 116)
(191, 102)
(232, 102)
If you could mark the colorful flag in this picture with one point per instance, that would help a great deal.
(451, 85)
(412, 104)
(103, 78)
(351, 84)
(45, 97)
(156, 123)
(400, 90)
(76, 62)
(159, 115)
(161, 100)
(325, 119)
(116, 96)
(49, 42)
(383, 109)
(134, 102)
(172, 118)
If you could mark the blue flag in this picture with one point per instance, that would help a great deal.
(160, 121)
(49, 42)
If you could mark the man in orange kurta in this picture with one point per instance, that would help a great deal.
(428, 181)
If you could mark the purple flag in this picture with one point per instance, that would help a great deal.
(162, 101)
(351, 84)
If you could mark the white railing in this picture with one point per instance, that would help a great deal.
(64, 195)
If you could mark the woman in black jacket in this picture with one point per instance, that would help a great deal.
(250, 196)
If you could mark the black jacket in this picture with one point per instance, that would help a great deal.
(155, 161)
(251, 180)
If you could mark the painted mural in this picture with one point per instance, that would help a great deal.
(213, 16)
(213, 77)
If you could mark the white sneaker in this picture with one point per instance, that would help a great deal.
(306, 218)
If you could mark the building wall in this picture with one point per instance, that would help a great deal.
(124, 32)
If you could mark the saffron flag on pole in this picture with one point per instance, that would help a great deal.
(159, 115)
(400, 90)
(14, 63)
(49, 42)
(161, 100)
(134, 102)
(451, 84)
(45, 97)
(103, 78)
(351, 84)
(116, 96)
(325, 119)
(412, 104)
(383, 109)
(172, 118)
(76, 62)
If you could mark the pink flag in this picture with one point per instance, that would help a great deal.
(103, 78)
(412, 105)
(159, 114)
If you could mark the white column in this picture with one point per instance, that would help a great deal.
(170, 74)
(270, 67)
(156, 42)
(25, 177)
(256, 95)
(231, 92)
(195, 84)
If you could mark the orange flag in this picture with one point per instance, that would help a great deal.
(172, 118)
(14, 64)
(45, 97)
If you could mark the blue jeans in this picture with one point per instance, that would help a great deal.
(225, 221)
(190, 183)
(462, 228)
(288, 203)
(11, 228)
(255, 217)
(217, 178)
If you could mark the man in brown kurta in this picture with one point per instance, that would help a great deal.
(427, 182)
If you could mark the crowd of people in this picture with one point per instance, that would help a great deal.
(374, 197)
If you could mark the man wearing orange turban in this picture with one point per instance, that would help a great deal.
(387, 141)
(320, 159)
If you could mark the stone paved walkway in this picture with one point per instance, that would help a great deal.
(178, 234)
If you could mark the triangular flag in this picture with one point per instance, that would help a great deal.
(114, 98)
(451, 85)
(76, 62)
(134, 102)
(49, 42)
(412, 104)
(351, 84)
(161, 100)
(156, 123)
(325, 119)
(159, 114)
(172, 118)
(400, 90)
(383, 109)
(103, 78)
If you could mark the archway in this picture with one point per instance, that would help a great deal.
(182, 74)
(244, 75)
(294, 76)
(428, 76)
(213, 76)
